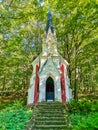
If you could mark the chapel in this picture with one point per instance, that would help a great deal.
(49, 81)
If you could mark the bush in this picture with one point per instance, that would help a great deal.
(14, 116)
(84, 122)
(83, 115)
(82, 106)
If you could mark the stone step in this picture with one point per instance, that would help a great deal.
(49, 127)
(60, 106)
(51, 122)
(50, 118)
(50, 103)
(50, 107)
(51, 112)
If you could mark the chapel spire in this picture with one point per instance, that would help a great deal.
(49, 24)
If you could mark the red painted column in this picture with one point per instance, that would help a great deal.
(63, 86)
(36, 93)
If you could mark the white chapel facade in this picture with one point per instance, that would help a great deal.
(49, 80)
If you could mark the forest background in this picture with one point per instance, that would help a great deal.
(22, 29)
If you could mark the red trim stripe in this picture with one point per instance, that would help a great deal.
(63, 86)
(36, 93)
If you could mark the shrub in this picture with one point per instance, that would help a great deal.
(14, 116)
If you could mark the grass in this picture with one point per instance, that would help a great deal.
(14, 116)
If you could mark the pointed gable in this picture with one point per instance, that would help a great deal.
(49, 68)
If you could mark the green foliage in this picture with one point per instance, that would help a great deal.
(86, 122)
(14, 116)
(22, 25)
(83, 115)
(82, 106)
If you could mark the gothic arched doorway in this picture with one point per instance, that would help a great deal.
(49, 89)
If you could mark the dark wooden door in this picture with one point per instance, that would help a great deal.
(49, 89)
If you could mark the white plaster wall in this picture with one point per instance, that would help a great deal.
(67, 85)
(57, 88)
(42, 85)
(56, 62)
(31, 91)
(68, 90)
(42, 62)
(70, 94)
